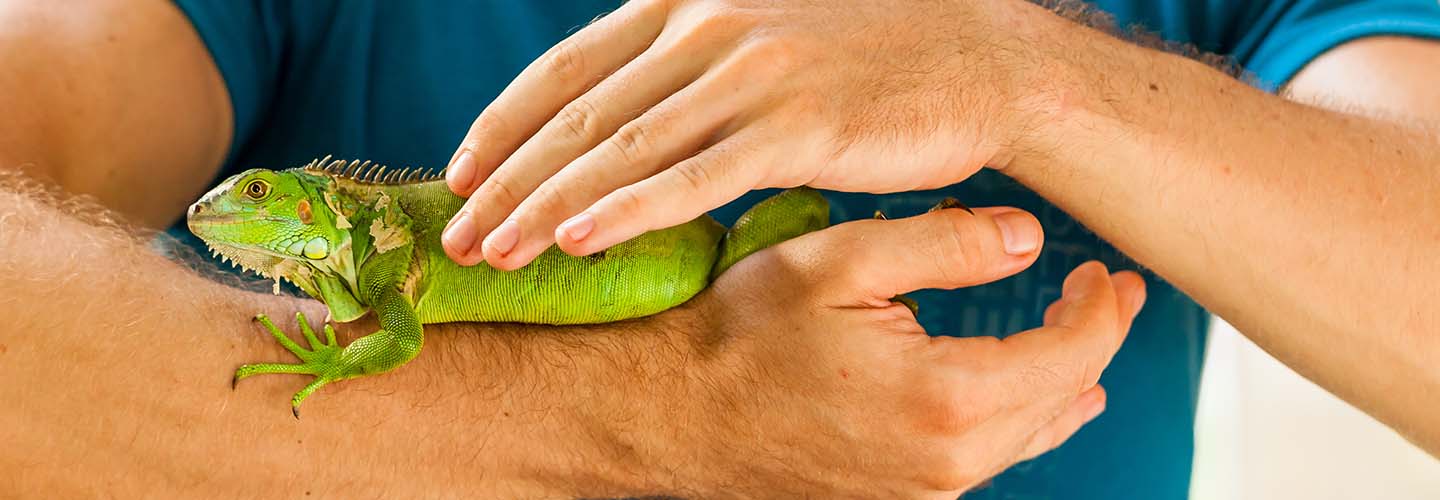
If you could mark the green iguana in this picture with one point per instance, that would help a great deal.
(361, 238)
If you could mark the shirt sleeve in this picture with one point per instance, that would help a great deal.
(1289, 34)
(245, 40)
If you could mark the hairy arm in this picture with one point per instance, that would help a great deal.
(1314, 231)
(116, 365)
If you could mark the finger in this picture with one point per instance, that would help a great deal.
(1067, 355)
(1019, 429)
(555, 78)
(577, 128)
(1052, 312)
(1130, 295)
(714, 176)
(868, 262)
(1081, 411)
(677, 126)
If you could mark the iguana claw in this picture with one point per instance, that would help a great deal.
(951, 203)
(322, 359)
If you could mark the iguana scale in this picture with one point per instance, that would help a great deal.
(361, 238)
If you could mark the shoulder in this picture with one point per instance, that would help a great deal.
(81, 83)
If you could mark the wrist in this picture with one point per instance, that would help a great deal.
(599, 410)
(1070, 79)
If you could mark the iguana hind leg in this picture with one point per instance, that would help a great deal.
(397, 342)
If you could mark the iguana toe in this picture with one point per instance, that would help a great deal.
(323, 359)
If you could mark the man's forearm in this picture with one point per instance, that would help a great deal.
(116, 366)
(1314, 232)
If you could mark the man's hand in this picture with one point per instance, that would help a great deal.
(871, 95)
(817, 385)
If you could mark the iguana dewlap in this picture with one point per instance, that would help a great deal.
(361, 238)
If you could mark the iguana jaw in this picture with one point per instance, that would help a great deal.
(340, 262)
(247, 259)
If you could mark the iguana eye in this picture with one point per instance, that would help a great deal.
(257, 189)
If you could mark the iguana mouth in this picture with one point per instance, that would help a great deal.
(212, 220)
(257, 260)
(222, 220)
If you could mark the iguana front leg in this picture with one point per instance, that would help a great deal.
(397, 342)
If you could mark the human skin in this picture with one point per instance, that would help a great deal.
(793, 375)
(1312, 230)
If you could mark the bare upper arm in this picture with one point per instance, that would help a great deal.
(1394, 76)
(118, 99)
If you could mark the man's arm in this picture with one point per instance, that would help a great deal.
(116, 362)
(117, 99)
(1314, 231)
(116, 366)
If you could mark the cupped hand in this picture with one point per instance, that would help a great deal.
(665, 109)
(816, 385)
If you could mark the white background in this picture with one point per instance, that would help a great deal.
(1263, 432)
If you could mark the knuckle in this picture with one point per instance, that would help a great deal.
(842, 263)
(664, 5)
(490, 123)
(850, 268)
(547, 200)
(579, 120)
(958, 250)
(502, 189)
(723, 20)
(632, 143)
(694, 173)
(776, 54)
(566, 61)
(795, 264)
(628, 202)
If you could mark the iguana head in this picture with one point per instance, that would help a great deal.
(261, 219)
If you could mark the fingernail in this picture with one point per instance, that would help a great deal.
(579, 226)
(1019, 232)
(504, 238)
(462, 172)
(460, 237)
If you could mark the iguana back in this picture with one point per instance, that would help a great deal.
(651, 273)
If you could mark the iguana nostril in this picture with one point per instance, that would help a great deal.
(196, 209)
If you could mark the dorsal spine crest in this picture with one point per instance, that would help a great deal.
(368, 172)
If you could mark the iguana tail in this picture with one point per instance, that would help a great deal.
(781, 217)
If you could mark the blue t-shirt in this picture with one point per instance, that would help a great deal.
(400, 82)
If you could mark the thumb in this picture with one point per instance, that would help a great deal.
(947, 249)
